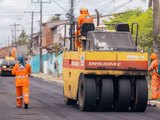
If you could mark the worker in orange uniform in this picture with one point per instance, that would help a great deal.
(84, 17)
(155, 81)
(14, 52)
(22, 72)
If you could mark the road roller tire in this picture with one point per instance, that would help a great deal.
(69, 101)
(86, 93)
(141, 95)
(123, 95)
(107, 94)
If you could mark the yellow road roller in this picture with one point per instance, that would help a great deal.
(107, 73)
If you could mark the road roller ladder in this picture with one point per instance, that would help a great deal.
(107, 73)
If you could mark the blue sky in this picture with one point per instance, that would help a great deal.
(12, 11)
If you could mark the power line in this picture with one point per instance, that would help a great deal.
(32, 17)
(104, 4)
(15, 30)
(59, 5)
(119, 6)
(77, 4)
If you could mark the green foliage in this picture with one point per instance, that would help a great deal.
(54, 18)
(56, 48)
(22, 38)
(145, 20)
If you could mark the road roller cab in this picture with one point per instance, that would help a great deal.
(107, 73)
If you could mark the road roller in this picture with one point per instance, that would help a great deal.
(108, 72)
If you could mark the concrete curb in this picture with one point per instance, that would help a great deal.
(154, 103)
(48, 77)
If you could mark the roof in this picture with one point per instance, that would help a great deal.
(56, 23)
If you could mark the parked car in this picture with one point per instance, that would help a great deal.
(0, 64)
(6, 67)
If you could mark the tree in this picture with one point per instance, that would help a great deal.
(22, 38)
(145, 20)
(54, 18)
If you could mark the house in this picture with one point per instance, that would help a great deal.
(35, 43)
(53, 32)
(52, 43)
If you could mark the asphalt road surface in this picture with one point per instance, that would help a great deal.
(46, 103)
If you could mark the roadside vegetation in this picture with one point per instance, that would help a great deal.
(145, 20)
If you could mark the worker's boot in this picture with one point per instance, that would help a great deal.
(19, 106)
(25, 106)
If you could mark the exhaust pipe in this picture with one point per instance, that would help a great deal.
(98, 17)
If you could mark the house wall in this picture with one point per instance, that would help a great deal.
(47, 36)
(35, 45)
(60, 61)
(35, 64)
(52, 34)
(50, 59)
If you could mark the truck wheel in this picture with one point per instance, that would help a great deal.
(2, 73)
(123, 95)
(86, 93)
(107, 94)
(140, 96)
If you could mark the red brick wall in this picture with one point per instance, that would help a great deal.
(47, 36)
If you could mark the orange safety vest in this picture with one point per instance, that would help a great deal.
(21, 74)
(154, 67)
(84, 18)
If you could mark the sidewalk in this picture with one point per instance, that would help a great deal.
(154, 103)
(49, 77)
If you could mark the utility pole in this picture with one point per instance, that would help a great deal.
(41, 68)
(31, 47)
(15, 31)
(12, 37)
(32, 18)
(8, 40)
(71, 17)
(156, 25)
(41, 11)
